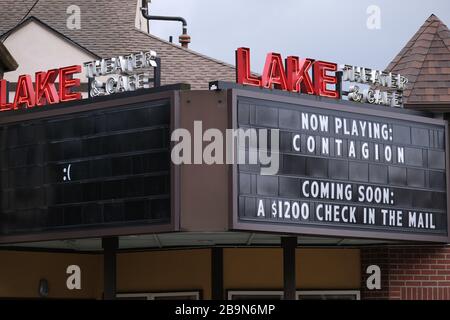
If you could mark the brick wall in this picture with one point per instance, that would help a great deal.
(408, 273)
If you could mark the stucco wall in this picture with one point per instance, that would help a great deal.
(177, 270)
(37, 48)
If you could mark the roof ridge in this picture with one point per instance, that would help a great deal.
(32, 18)
(409, 45)
(186, 50)
(434, 18)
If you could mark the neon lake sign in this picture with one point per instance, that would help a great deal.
(122, 73)
(322, 78)
(44, 90)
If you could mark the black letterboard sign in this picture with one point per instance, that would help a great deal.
(94, 169)
(344, 170)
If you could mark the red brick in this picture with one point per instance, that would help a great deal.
(438, 266)
(435, 293)
(412, 283)
(437, 278)
(437, 255)
(429, 272)
(396, 271)
(411, 272)
(429, 283)
(428, 261)
(407, 256)
(445, 272)
(403, 294)
(421, 277)
(398, 283)
(406, 267)
(444, 283)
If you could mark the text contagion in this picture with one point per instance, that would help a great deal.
(344, 127)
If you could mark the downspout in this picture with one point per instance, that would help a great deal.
(184, 39)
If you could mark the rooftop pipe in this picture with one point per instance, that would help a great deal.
(184, 39)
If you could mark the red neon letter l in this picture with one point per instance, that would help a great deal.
(243, 73)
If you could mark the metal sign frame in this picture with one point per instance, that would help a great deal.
(235, 92)
(168, 93)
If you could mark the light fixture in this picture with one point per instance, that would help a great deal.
(43, 288)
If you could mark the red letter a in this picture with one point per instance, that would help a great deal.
(273, 74)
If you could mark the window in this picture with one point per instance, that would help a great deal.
(328, 295)
(191, 295)
(255, 295)
(301, 295)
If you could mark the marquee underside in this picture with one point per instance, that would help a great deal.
(191, 239)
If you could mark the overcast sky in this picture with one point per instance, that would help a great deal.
(321, 29)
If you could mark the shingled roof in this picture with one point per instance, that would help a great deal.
(108, 29)
(425, 61)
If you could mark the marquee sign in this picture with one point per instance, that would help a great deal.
(322, 78)
(295, 78)
(87, 170)
(107, 76)
(345, 171)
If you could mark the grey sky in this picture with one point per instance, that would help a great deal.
(322, 29)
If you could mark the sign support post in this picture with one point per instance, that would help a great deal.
(217, 273)
(110, 246)
(289, 244)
